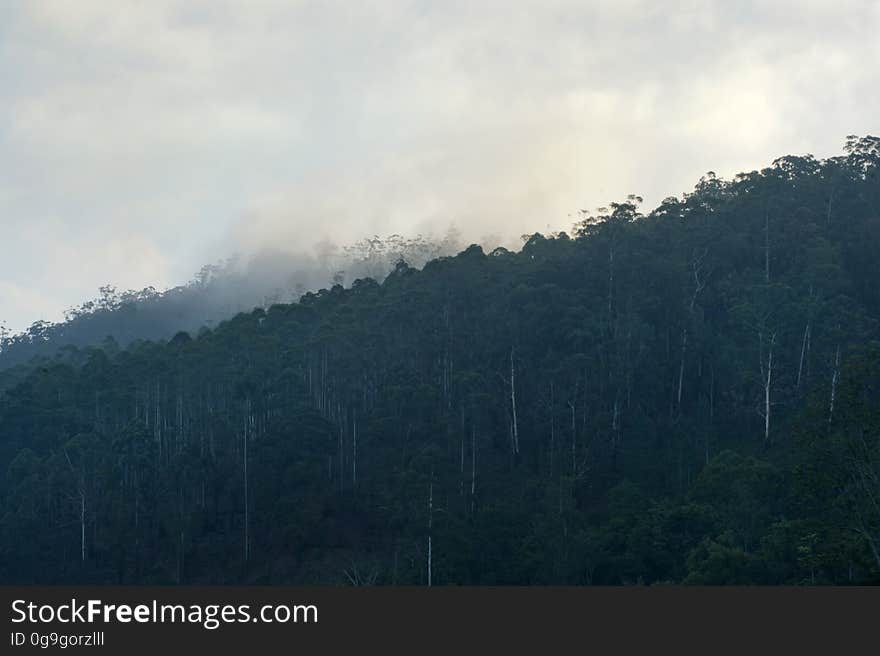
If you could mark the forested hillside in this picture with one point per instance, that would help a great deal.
(690, 395)
(217, 292)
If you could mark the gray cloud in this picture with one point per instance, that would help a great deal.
(140, 140)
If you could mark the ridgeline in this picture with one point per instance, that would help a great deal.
(689, 395)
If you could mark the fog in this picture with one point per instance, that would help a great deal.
(271, 275)
(139, 141)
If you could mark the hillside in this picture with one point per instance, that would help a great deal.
(217, 292)
(688, 395)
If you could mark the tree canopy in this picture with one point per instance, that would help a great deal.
(690, 394)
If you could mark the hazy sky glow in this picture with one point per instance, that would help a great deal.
(139, 140)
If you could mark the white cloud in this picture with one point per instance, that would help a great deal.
(139, 140)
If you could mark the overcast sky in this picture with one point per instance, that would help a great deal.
(140, 140)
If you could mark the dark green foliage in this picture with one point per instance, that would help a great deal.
(692, 395)
(216, 293)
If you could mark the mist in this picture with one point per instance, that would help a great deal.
(142, 141)
(217, 292)
(275, 274)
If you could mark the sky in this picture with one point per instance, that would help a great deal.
(141, 140)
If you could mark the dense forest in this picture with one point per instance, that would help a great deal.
(690, 395)
(216, 292)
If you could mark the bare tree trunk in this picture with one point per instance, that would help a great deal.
(684, 341)
(82, 524)
(157, 428)
(473, 466)
(834, 378)
(699, 285)
(180, 435)
(767, 382)
(573, 440)
(767, 397)
(354, 449)
(245, 461)
(806, 341)
(552, 430)
(430, 526)
(81, 493)
(610, 280)
(461, 467)
(615, 425)
(180, 557)
(515, 430)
